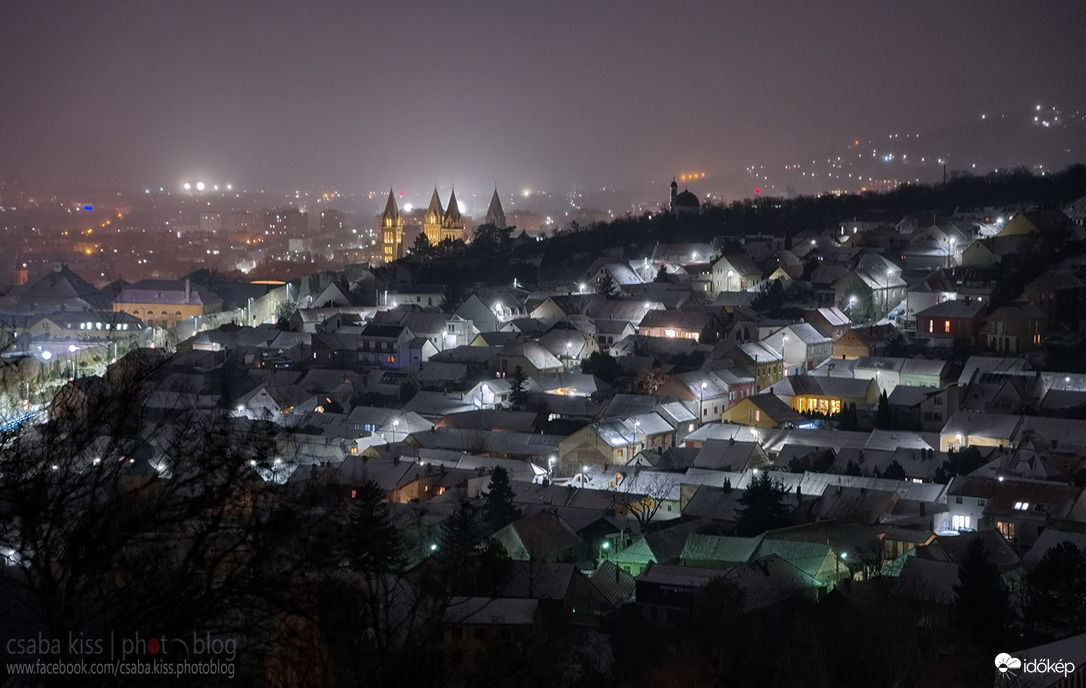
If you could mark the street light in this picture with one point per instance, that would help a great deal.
(395, 424)
(584, 469)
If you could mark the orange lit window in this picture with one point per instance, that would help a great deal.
(354, 494)
(391, 359)
(946, 326)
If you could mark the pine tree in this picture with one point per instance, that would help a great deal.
(982, 607)
(518, 395)
(763, 506)
(499, 510)
(373, 545)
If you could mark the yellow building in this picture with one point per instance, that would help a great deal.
(391, 229)
(164, 303)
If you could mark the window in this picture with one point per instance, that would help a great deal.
(1006, 529)
(1021, 506)
(946, 326)
(931, 326)
(960, 522)
(391, 359)
(620, 453)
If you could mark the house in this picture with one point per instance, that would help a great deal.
(763, 411)
(761, 362)
(542, 537)
(802, 347)
(1015, 328)
(481, 630)
(951, 320)
(922, 408)
(697, 325)
(830, 321)
(828, 395)
(872, 340)
(611, 442)
(734, 272)
(1060, 295)
(391, 346)
(164, 303)
(531, 357)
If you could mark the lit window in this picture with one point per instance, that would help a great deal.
(391, 359)
(1006, 529)
(931, 326)
(946, 326)
(1021, 506)
(961, 522)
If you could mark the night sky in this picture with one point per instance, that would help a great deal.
(355, 95)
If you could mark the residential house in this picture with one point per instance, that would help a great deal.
(761, 362)
(734, 272)
(802, 347)
(1015, 328)
(697, 325)
(871, 340)
(830, 321)
(828, 395)
(1018, 509)
(763, 411)
(611, 442)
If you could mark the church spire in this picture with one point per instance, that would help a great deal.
(494, 214)
(392, 211)
(452, 213)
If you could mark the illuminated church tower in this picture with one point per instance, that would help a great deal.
(452, 225)
(431, 223)
(391, 229)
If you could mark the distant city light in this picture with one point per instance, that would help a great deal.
(187, 186)
(199, 186)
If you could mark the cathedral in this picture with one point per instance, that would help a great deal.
(438, 223)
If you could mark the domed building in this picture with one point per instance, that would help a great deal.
(684, 203)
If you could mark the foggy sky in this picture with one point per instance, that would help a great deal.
(355, 95)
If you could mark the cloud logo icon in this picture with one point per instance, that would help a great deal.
(1005, 663)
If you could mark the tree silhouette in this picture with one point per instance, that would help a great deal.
(762, 506)
(518, 395)
(982, 608)
(499, 510)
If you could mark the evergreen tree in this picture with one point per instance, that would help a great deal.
(895, 471)
(603, 366)
(499, 510)
(1056, 593)
(763, 506)
(607, 286)
(518, 395)
(883, 421)
(982, 606)
(422, 247)
(372, 543)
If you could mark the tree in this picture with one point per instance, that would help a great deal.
(642, 494)
(959, 462)
(606, 286)
(1055, 593)
(499, 510)
(762, 506)
(422, 246)
(883, 421)
(982, 607)
(895, 471)
(518, 395)
(372, 544)
(603, 366)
